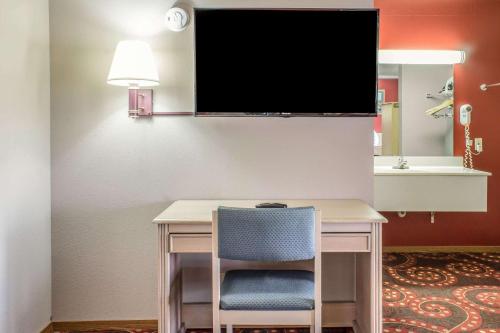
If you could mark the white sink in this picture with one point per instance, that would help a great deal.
(429, 188)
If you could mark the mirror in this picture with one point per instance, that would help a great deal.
(415, 110)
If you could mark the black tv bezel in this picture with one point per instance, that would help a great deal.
(286, 114)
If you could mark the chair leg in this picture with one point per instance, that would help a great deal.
(229, 328)
(216, 324)
(316, 328)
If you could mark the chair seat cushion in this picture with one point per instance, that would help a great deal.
(277, 290)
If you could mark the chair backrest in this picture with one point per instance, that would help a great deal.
(266, 234)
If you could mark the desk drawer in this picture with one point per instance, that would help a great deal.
(330, 242)
(342, 242)
(190, 243)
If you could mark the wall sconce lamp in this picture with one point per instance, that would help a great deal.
(133, 66)
(421, 57)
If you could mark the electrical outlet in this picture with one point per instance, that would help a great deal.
(478, 144)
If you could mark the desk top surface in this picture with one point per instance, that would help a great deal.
(332, 210)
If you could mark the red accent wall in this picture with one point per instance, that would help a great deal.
(474, 26)
(391, 89)
(391, 95)
(377, 124)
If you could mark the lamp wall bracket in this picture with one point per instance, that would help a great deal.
(140, 103)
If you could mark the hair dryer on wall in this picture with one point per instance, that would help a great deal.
(465, 119)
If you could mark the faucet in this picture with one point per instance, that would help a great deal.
(402, 164)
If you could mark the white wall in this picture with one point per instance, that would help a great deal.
(25, 273)
(112, 175)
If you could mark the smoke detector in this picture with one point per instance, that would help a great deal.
(177, 19)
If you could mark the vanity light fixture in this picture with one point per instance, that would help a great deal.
(133, 66)
(421, 57)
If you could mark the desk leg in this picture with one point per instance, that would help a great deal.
(369, 286)
(376, 263)
(169, 285)
(163, 281)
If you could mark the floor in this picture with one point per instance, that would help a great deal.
(427, 292)
(442, 292)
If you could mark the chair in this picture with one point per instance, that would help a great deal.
(266, 297)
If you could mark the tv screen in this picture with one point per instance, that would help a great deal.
(286, 62)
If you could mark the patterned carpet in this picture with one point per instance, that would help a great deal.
(441, 292)
(426, 292)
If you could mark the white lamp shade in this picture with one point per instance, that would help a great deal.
(421, 57)
(133, 65)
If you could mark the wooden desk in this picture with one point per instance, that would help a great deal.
(347, 226)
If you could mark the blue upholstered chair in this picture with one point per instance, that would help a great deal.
(266, 297)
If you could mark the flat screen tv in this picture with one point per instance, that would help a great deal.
(286, 62)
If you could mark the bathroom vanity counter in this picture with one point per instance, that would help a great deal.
(429, 171)
(430, 184)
